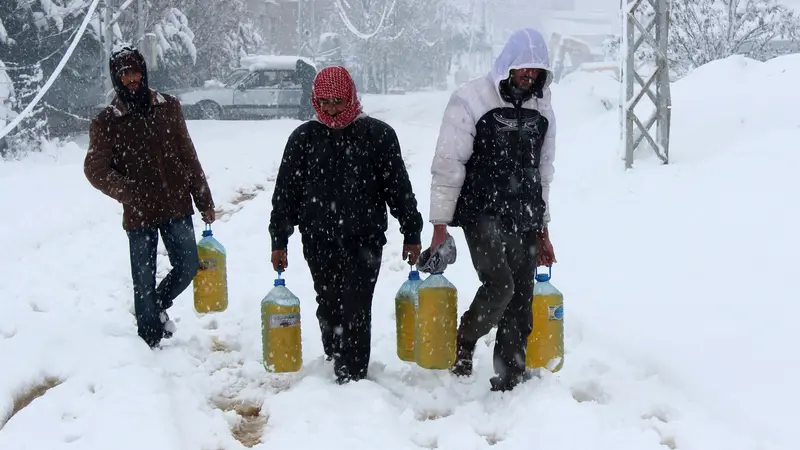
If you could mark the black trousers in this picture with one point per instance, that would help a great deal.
(345, 271)
(505, 261)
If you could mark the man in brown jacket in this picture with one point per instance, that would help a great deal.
(140, 154)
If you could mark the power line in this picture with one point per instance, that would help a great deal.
(54, 75)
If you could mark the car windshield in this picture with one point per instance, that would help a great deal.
(235, 77)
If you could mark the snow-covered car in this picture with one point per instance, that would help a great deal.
(264, 86)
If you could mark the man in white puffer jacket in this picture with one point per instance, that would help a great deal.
(491, 176)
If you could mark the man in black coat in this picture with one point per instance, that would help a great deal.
(305, 75)
(337, 175)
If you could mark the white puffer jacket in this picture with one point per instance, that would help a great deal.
(525, 49)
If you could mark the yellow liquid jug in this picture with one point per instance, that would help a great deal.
(281, 338)
(546, 341)
(211, 281)
(405, 305)
(437, 323)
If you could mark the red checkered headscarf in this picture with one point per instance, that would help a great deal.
(335, 82)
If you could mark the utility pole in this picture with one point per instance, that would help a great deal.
(140, 23)
(107, 46)
(634, 130)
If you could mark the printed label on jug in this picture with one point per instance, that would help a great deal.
(555, 312)
(284, 320)
(208, 263)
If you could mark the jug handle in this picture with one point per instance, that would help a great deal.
(549, 269)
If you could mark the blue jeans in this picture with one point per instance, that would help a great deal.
(151, 300)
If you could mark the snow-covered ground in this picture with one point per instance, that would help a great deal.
(679, 283)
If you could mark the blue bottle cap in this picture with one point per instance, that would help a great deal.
(280, 282)
(207, 232)
(542, 277)
(413, 275)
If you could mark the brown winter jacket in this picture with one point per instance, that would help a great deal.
(148, 164)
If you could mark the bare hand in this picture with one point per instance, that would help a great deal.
(439, 236)
(411, 253)
(546, 255)
(208, 216)
(280, 260)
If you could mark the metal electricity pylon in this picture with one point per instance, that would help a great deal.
(646, 22)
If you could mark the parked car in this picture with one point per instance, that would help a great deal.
(263, 87)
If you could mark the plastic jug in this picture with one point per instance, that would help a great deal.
(211, 281)
(281, 338)
(405, 305)
(546, 341)
(437, 323)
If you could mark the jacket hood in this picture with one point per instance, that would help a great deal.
(123, 57)
(525, 49)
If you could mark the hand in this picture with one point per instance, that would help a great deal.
(411, 253)
(280, 260)
(208, 216)
(439, 236)
(545, 255)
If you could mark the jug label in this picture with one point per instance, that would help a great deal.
(208, 263)
(555, 312)
(284, 320)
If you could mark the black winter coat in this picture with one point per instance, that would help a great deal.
(337, 183)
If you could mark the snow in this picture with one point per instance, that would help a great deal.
(174, 33)
(4, 35)
(276, 62)
(679, 282)
(341, 9)
(6, 93)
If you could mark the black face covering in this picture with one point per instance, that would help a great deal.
(514, 94)
(140, 101)
(517, 92)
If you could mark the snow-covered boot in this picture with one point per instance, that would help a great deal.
(465, 352)
(169, 325)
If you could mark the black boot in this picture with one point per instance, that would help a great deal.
(465, 352)
(504, 384)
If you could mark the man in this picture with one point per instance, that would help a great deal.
(338, 174)
(491, 176)
(140, 154)
(305, 76)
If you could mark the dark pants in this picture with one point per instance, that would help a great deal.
(344, 274)
(505, 262)
(150, 301)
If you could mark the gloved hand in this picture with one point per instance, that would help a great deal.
(438, 260)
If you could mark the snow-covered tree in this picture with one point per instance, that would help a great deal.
(705, 30)
(702, 31)
(223, 32)
(394, 43)
(197, 39)
(6, 98)
(35, 34)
